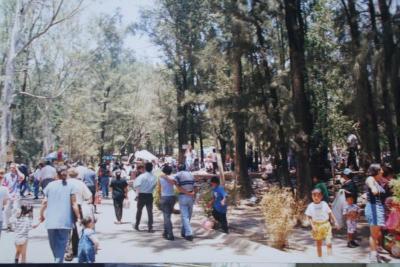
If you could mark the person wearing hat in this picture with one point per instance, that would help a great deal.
(349, 185)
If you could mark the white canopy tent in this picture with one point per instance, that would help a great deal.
(145, 155)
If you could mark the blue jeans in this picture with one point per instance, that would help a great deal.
(186, 207)
(104, 183)
(36, 188)
(167, 206)
(58, 239)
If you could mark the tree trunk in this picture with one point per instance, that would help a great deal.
(48, 143)
(182, 119)
(364, 98)
(283, 168)
(239, 125)
(390, 69)
(23, 89)
(301, 106)
(8, 89)
(372, 14)
(103, 124)
(201, 147)
(223, 144)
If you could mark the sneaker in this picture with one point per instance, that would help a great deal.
(170, 237)
(69, 257)
(151, 231)
(383, 259)
(381, 250)
(189, 238)
(354, 243)
(373, 258)
(350, 244)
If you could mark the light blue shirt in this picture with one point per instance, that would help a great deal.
(59, 208)
(146, 182)
(185, 180)
(167, 189)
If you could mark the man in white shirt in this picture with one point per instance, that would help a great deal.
(83, 194)
(81, 169)
(47, 174)
(127, 169)
(352, 146)
(214, 160)
(3, 198)
(11, 180)
(36, 180)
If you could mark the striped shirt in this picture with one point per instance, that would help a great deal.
(185, 180)
(146, 182)
(22, 226)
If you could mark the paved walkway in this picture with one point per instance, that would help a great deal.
(120, 243)
(248, 220)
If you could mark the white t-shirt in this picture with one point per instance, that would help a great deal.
(214, 157)
(3, 196)
(318, 212)
(48, 172)
(83, 193)
(81, 171)
(352, 140)
(36, 175)
(127, 170)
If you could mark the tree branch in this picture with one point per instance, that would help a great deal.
(42, 97)
(52, 23)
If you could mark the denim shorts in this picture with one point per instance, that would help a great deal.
(375, 214)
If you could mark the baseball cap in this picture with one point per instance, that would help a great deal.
(347, 171)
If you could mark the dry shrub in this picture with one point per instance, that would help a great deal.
(281, 213)
(204, 198)
(233, 194)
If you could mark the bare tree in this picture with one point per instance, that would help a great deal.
(17, 45)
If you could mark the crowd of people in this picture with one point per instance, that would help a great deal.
(378, 198)
(70, 192)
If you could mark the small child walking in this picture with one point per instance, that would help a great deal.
(351, 212)
(88, 243)
(219, 204)
(320, 215)
(22, 225)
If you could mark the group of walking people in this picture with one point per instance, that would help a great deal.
(70, 194)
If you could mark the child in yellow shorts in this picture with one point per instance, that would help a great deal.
(320, 215)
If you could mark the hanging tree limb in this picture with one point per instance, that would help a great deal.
(53, 21)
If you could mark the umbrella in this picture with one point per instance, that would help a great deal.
(145, 155)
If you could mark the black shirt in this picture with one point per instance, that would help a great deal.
(118, 186)
(351, 187)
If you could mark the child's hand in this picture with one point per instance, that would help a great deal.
(223, 202)
(337, 226)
